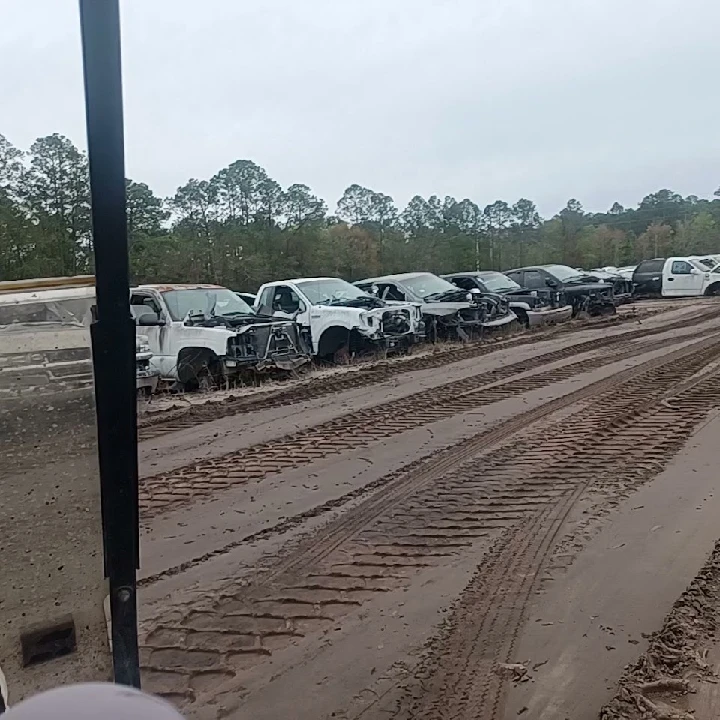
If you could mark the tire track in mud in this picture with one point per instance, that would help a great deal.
(159, 493)
(516, 494)
(415, 475)
(458, 678)
(156, 425)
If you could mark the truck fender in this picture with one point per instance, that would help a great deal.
(332, 340)
(195, 362)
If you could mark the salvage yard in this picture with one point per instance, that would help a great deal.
(489, 530)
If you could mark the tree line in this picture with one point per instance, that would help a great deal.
(240, 228)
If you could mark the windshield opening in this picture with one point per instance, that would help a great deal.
(497, 282)
(427, 284)
(220, 302)
(330, 290)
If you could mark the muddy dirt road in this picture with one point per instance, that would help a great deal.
(435, 539)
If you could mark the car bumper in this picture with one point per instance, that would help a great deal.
(623, 299)
(499, 322)
(549, 316)
(287, 362)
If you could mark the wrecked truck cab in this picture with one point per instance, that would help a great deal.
(582, 293)
(338, 319)
(204, 336)
(533, 308)
(449, 313)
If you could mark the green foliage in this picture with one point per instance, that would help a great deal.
(240, 228)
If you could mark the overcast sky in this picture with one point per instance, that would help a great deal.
(601, 100)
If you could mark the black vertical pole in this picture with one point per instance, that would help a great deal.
(113, 332)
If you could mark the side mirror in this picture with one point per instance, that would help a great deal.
(150, 319)
(551, 283)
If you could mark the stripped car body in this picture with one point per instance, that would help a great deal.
(622, 286)
(205, 335)
(338, 319)
(448, 312)
(533, 308)
(584, 295)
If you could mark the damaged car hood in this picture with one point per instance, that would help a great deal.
(233, 324)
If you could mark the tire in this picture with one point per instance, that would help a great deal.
(342, 356)
(198, 369)
(205, 380)
(334, 340)
(523, 319)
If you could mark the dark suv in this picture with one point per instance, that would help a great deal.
(532, 307)
(647, 278)
(580, 291)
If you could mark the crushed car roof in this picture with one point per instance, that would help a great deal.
(473, 273)
(300, 280)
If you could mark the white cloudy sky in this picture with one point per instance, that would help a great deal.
(601, 100)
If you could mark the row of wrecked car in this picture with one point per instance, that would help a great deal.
(198, 336)
(204, 336)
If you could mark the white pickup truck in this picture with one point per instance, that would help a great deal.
(201, 336)
(339, 319)
(676, 277)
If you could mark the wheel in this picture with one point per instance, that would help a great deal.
(523, 318)
(205, 380)
(342, 356)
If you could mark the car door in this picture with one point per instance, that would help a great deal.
(264, 301)
(517, 276)
(286, 303)
(535, 280)
(683, 279)
(142, 303)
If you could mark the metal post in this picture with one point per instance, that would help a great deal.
(113, 332)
